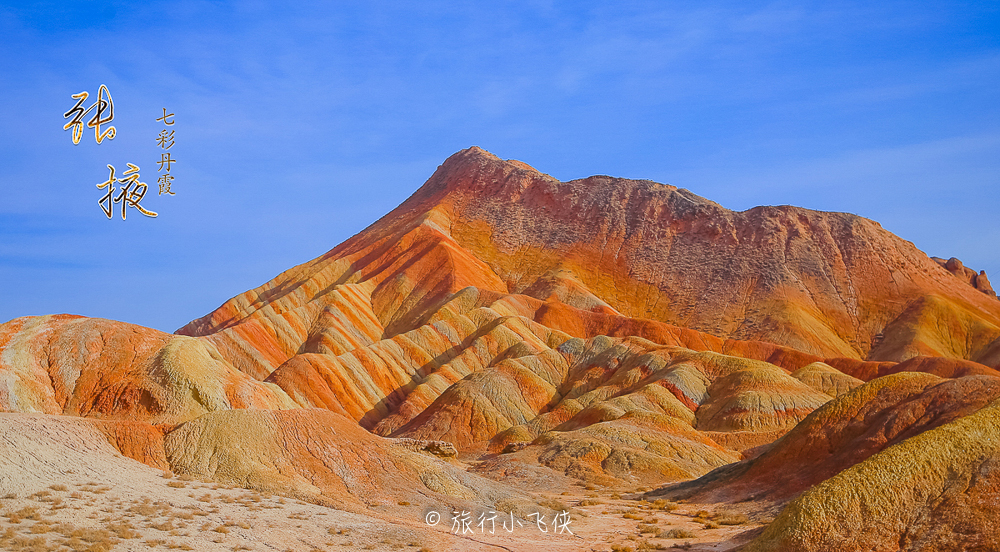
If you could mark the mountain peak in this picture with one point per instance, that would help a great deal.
(829, 284)
(476, 176)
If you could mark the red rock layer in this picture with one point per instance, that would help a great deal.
(104, 369)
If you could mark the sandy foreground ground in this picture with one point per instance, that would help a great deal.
(64, 490)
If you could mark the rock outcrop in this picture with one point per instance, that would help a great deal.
(977, 280)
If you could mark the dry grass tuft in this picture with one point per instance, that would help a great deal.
(41, 527)
(553, 504)
(730, 518)
(676, 533)
(665, 505)
(28, 512)
(123, 530)
(164, 526)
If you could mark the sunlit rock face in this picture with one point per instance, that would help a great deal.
(829, 284)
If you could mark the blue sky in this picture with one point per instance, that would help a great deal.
(297, 126)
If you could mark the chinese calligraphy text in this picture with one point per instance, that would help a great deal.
(127, 196)
(104, 114)
(166, 141)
